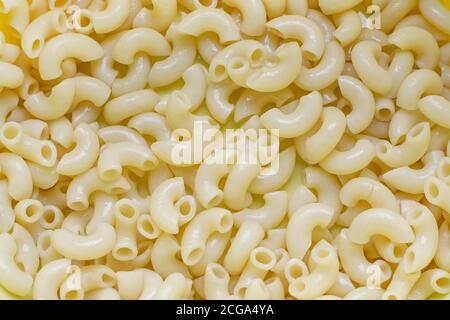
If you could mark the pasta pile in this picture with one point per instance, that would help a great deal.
(98, 96)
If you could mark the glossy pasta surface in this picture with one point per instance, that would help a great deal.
(224, 149)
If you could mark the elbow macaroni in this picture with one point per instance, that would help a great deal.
(135, 159)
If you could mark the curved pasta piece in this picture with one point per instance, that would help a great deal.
(302, 29)
(269, 215)
(235, 192)
(183, 55)
(324, 274)
(417, 84)
(332, 7)
(437, 109)
(297, 122)
(11, 277)
(420, 42)
(87, 247)
(41, 29)
(421, 252)
(410, 151)
(159, 17)
(115, 156)
(163, 210)
(65, 46)
(349, 161)
(251, 102)
(276, 174)
(278, 76)
(356, 265)
(210, 20)
(436, 14)
(49, 278)
(55, 105)
(365, 55)
(325, 72)
(411, 180)
(362, 102)
(83, 185)
(327, 132)
(369, 190)
(16, 170)
(138, 40)
(379, 221)
(151, 123)
(301, 225)
(197, 232)
(83, 156)
(112, 16)
(253, 16)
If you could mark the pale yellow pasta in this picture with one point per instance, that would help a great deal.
(65, 46)
(110, 162)
(401, 284)
(360, 155)
(365, 293)
(274, 175)
(301, 225)
(164, 256)
(349, 27)
(136, 102)
(379, 221)
(298, 122)
(436, 108)
(321, 277)
(126, 214)
(198, 231)
(251, 102)
(356, 265)
(417, 84)
(136, 161)
(247, 238)
(442, 258)
(431, 281)
(84, 185)
(49, 278)
(435, 13)
(361, 100)
(421, 252)
(326, 132)
(159, 17)
(182, 56)
(54, 105)
(268, 216)
(274, 77)
(118, 133)
(411, 180)
(369, 190)
(303, 29)
(210, 20)
(7, 215)
(83, 156)
(42, 28)
(410, 151)
(11, 277)
(325, 186)
(420, 42)
(112, 17)
(325, 72)
(139, 40)
(331, 7)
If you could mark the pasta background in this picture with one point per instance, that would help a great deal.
(342, 193)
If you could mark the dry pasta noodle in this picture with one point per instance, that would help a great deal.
(236, 149)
